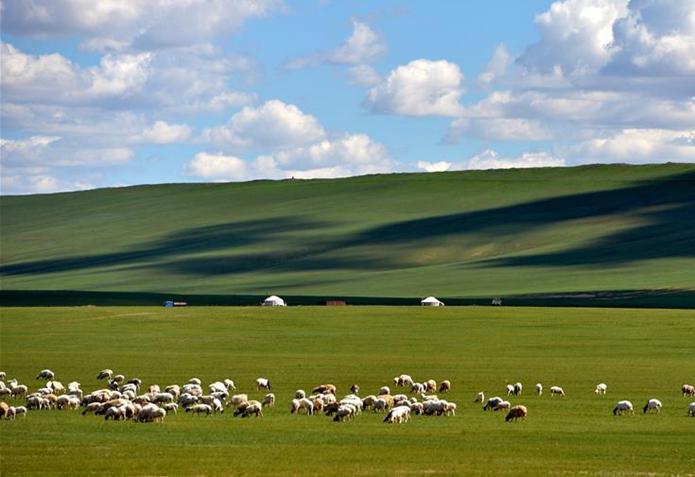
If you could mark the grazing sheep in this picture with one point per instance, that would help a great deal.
(345, 411)
(93, 407)
(517, 412)
(417, 388)
(557, 390)
(114, 413)
(237, 400)
(11, 413)
(46, 374)
(229, 384)
(200, 409)
(171, 406)
(186, 400)
(306, 404)
(502, 405)
(398, 415)
(435, 408)
(105, 374)
(601, 388)
(539, 389)
(384, 390)
(450, 409)
(517, 389)
(324, 389)
(510, 389)
(480, 397)
(354, 388)
(691, 409)
(18, 390)
(3, 375)
(379, 405)
(262, 383)
(688, 390)
(21, 410)
(269, 400)
(403, 380)
(3, 409)
(417, 408)
(653, 405)
(153, 389)
(492, 403)
(195, 381)
(249, 408)
(445, 386)
(430, 385)
(623, 407)
(217, 386)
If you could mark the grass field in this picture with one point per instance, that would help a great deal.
(562, 231)
(640, 354)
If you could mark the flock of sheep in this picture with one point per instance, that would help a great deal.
(122, 399)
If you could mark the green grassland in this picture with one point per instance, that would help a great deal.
(622, 230)
(640, 354)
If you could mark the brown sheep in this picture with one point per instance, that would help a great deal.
(445, 386)
(688, 390)
(517, 412)
(324, 389)
(4, 409)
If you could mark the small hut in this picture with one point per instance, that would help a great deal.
(431, 301)
(273, 300)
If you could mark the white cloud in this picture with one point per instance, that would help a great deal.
(364, 75)
(497, 66)
(499, 129)
(146, 24)
(272, 125)
(434, 166)
(162, 132)
(575, 35)
(217, 167)
(420, 88)
(490, 159)
(363, 47)
(637, 145)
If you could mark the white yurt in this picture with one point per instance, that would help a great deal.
(273, 300)
(431, 301)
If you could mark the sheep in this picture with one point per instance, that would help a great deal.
(691, 409)
(237, 400)
(355, 388)
(186, 400)
(162, 398)
(517, 412)
(398, 415)
(3, 409)
(345, 411)
(299, 394)
(34, 402)
(517, 389)
(151, 413)
(368, 402)
(119, 378)
(46, 374)
(403, 380)
(136, 381)
(262, 383)
(192, 388)
(417, 388)
(601, 388)
(269, 400)
(174, 390)
(171, 406)
(417, 408)
(92, 407)
(510, 389)
(229, 384)
(195, 381)
(21, 410)
(492, 403)
(105, 374)
(557, 390)
(3, 375)
(324, 389)
(153, 389)
(384, 390)
(200, 409)
(502, 405)
(653, 405)
(480, 397)
(435, 408)
(445, 386)
(217, 386)
(430, 385)
(303, 403)
(539, 389)
(450, 409)
(688, 390)
(114, 413)
(11, 413)
(249, 408)
(622, 407)
(18, 390)
(379, 405)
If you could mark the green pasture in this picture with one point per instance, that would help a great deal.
(640, 354)
(616, 229)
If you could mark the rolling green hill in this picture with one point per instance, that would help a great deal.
(623, 231)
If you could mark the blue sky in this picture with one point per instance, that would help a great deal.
(103, 93)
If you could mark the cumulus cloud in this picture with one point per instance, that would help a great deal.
(217, 167)
(440, 166)
(144, 25)
(363, 47)
(162, 132)
(636, 145)
(490, 159)
(274, 124)
(420, 88)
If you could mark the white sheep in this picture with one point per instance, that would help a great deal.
(262, 383)
(557, 390)
(229, 384)
(269, 400)
(217, 386)
(653, 405)
(195, 381)
(200, 409)
(345, 411)
(105, 374)
(539, 389)
(691, 409)
(480, 397)
(237, 400)
(623, 407)
(688, 390)
(398, 415)
(492, 403)
(601, 388)
(384, 390)
(517, 389)
(18, 390)
(510, 389)
(299, 394)
(502, 405)
(417, 388)
(171, 406)
(21, 410)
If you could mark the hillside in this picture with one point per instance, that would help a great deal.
(622, 230)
